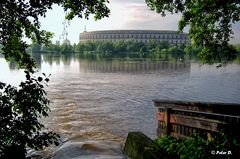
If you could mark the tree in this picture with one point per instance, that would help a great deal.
(210, 24)
(36, 48)
(22, 107)
(57, 46)
(119, 46)
(237, 46)
(66, 48)
(79, 48)
(104, 47)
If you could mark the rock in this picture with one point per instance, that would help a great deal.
(139, 146)
(89, 150)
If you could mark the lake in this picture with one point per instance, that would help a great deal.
(101, 101)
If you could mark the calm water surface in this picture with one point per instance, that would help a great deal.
(104, 100)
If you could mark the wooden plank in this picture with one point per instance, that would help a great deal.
(160, 116)
(161, 124)
(221, 108)
(193, 103)
(160, 132)
(231, 119)
(167, 121)
(178, 136)
(196, 122)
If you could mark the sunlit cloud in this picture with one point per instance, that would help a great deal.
(141, 17)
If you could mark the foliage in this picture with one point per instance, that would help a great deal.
(198, 147)
(22, 107)
(35, 47)
(124, 49)
(168, 144)
(210, 24)
(20, 111)
(237, 47)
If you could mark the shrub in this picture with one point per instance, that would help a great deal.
(198, 147)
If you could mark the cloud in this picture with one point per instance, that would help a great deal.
(141, 17)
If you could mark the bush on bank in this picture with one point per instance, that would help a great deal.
(222, 145)
(119, 49)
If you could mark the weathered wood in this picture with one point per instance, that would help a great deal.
(160, 116)
(178, 136)
(179, 119)
(160, 132)
(221, 108)
(196, 122)
(167, 121)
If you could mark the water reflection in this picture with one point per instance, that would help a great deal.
(117, 66)
(37, 57)
(57, 59)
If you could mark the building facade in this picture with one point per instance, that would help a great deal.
(172, 37)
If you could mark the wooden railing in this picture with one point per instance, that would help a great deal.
(181, 119)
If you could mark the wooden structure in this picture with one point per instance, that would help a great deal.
(181, 119)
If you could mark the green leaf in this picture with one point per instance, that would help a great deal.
(40, 79)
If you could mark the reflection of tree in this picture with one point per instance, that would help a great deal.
(66, 59)
(57, 59)
(48, 58)
(38, 59)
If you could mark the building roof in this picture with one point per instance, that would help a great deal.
(133, 31)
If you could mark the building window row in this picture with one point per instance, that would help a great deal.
(144, 40)
(117, 36)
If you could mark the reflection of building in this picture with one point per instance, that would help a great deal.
(134, 66)
(173, 37)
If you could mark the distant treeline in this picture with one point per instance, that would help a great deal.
(119, 49)
(237, 47)
(122, 49)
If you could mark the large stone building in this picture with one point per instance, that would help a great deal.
(173, 37)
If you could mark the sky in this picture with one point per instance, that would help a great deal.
(125, 14)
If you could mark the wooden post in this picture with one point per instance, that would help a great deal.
(167, 121)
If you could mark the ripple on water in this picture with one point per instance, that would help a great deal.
(103, 106)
